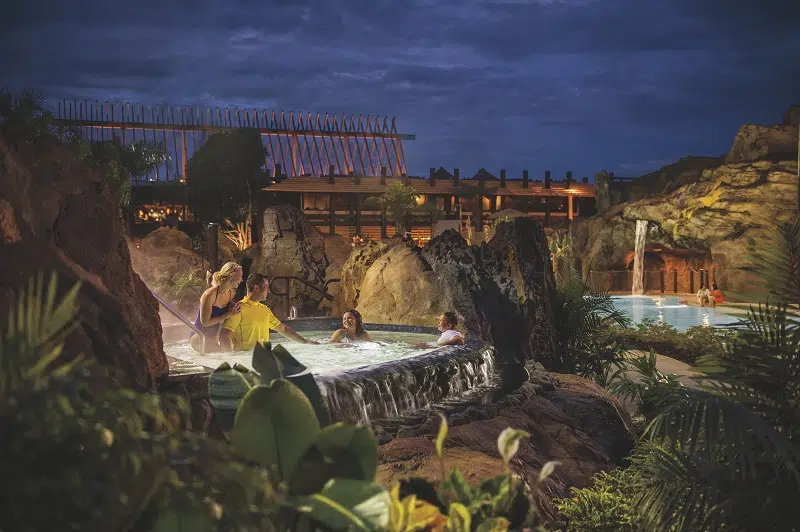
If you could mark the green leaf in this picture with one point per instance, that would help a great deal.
(459, 519)
(346, 504)
(495, 524)
(508, 443)
(274, 426)
(339, 451)
(441, 436)
(298, 374)
(458, 485)
(226, 387)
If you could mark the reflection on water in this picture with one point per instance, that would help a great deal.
(667, 309)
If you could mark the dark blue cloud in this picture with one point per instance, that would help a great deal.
(540, 84)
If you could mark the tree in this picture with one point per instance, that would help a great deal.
(398, 202)
(222, 175)
(25, 118)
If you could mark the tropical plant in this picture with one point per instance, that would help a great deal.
(729, 451)
(398, 202)
(560, 244)
(580, 316)
(120, 163)
(603, 506)
(223, 175)
(239, 233)
(25, 118)
(639, 380)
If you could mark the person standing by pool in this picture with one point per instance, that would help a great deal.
(352, 329)
(216, 305)
(447, 323)
(252, 324)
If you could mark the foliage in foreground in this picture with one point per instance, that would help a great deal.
(728, 454)
(121, 460)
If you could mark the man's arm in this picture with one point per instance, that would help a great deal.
(289, 333)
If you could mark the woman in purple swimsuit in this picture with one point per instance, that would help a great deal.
(216, 304)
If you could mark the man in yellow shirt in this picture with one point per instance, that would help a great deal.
(251, 325)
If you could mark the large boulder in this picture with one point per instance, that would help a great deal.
(291, 246)
(337, 250)
(503, 290)
(353, 272)
(570, 420)
(756, 143)
(54, 206)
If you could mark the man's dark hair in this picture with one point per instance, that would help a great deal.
(451, 318)
(254, 280)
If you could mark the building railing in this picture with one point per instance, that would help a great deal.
(289, 278)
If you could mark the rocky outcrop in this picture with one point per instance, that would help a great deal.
(292, 246)
(62, 218)
(353, 272)
(570, 420)
(337, 250)
(503, 290)
(728, 211)
(757, 143)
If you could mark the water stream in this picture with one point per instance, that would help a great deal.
(638, 258)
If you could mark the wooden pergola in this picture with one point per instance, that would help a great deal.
(297, 144)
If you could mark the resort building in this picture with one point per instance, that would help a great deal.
(326, 165)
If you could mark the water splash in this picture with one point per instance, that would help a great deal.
(393, 389)
(638, 258)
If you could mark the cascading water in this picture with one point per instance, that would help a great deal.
(400, 387)
(638, 258)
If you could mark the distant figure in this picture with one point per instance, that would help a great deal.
(447, 323)
(242, 331)
(352, 329)
(216, 305)
(717, 297)
(703, 296)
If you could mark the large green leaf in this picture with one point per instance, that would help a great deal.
(296, 373)
(274, 426)
(346, 504)
(339, 451)
(226, 387)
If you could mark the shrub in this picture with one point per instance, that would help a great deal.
(667, 340)
(604, 506)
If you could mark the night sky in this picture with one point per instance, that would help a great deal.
(626, 85)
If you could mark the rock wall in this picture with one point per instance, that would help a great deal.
(292, 246)
(503, 290)
(570, 420)
(727, 212)
(57, 215)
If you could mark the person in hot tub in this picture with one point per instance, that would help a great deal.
(447, 324)
(352, 329)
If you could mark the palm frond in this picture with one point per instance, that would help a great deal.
(777, 268)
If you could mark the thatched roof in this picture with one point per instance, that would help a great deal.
(441, 173)
(484, 175)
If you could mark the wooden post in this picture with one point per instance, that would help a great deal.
(359, 201)
(278, 173)
(691, 281)
(432, 178)
(547, 180)
(547, 183)
(662, 281)
(331, 213)
(405, 178)
(525, 179)
(570, 214)
(383, 175)
(455, 177)
(569, 179)
(675, 280)
(502, 178)
(331, 175)
(384, 234)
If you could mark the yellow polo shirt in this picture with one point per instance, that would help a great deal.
(251, 325)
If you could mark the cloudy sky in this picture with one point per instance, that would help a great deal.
(626, 85)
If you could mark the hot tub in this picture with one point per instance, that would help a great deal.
(373, 380)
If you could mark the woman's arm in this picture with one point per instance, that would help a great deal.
(206, 320)
(336, 337)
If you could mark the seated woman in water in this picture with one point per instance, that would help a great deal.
(216, 304)
(352, 329)
(447, 323)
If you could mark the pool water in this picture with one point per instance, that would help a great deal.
(667, 309)
(323, 358)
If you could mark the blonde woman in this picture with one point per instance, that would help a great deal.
(216, 305)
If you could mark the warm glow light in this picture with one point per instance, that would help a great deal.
(420, 200)
(571, 190)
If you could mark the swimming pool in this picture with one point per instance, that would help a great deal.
(324, 358)
(667, 309)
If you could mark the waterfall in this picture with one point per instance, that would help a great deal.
(400, 387)
(638, 259)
